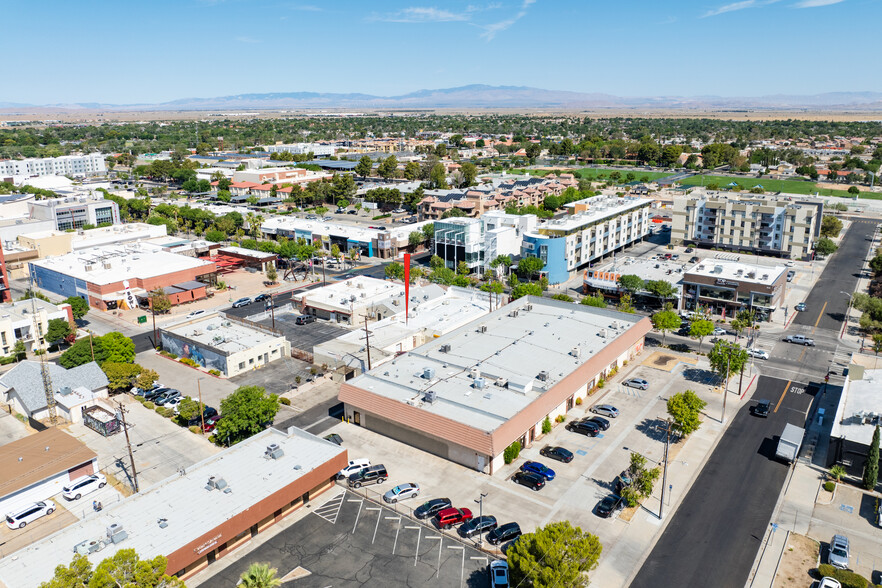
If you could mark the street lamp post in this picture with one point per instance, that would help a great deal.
(480, 503)
(726, 389)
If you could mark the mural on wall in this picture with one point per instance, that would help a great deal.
(204, 357)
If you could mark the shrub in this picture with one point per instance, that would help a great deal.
(578, 402)
(560, 418)
(285, 401)
(847, 578)
(601, 383)
(165, 412)
(379, 216)
(195, 430)
(169, 354)
(214, 372)
(511, 452)
(148, 405)
(297, 379)
(829, 486)
(546, 426)
(188, 361)
(313, 371)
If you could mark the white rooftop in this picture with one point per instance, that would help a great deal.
(248, 252)
(359, 233)
(110, 264)
(599, 208)
(106, 235)
(648, 269)
(356, 292)
(183, 501)
(215, 331)
(737, 271)
(545, 335)
(21, 310)
(860, 405)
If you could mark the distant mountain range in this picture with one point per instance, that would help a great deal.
(479, 96)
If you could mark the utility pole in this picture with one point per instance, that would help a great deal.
(367, 339)
(272, 305)
(153, 312)
(668, 426)
(201, 408)
(726, 389)
(122, 412)
(91, 347)
(480, 502)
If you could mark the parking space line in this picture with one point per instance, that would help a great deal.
(462, 569)
(398, 530)
(783, 394)
(419, 534)
(440, 543)
(360, 504)
(377, 526)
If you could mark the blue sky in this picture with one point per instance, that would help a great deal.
(58, 51)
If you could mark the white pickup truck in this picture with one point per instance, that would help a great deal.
(800, 340)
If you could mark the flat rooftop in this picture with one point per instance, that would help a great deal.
(353, 232)
(599, 208)
(356, 292)
(110, 264)
(543, 336)
(215, 331)
(182, 500)
(648, 269)
(854, 418)
(737, 271)
(22, 310)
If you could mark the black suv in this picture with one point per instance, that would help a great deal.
(477, 525)
(609, 505)
(370, 475)
(504, 533)
(584, 428)
(534, 481)
(761, 408)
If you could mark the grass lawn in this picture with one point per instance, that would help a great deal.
(770, 185)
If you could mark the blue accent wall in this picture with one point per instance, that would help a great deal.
(58, 283)
(553, 251)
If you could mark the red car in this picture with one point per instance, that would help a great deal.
(211, 423)
(452, 516)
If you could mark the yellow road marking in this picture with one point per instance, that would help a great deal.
(819, 318)
(783, 394)
(801, 355)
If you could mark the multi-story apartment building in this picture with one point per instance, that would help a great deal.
(317, 149)
(67, 165)
(75, 212)
(779, 226)
(597, 227)
(460, 240)
(5, 292)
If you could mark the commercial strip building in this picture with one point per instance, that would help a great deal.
(226, 344)
(27, 321)
(604, 279)
(858, 414)
(724, 287)
(433, 312)
(275, 175)
(73, 390)
(38, 466)
(353, 300)
(783, 226)
(55, 242)
(114, 277)
(197, 516)
(597, 227)
(471, 393)
(90, 164)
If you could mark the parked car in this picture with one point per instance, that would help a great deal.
(451, 516)
(173, 404)
(477, 526)
(354, 465)
(402, 492)
(261, 297)
(207, 413)
(398, 211)
(584, 428)
(828, 582)
(532, 481)
(20, 518)
(340, 210)
(757, 353)
(761, 408)
(801, 307)
(152, 394)
(211, 423)
(556, 453)
(638, 383)
(83, 485)
(195, 313)
(311, 217)
(689, 250)
(694, 259)
(534, 467)
(504, 533)
(166, 396)
(800, 340)
(839, 552)
(432, 507)
(242, 302)
(353, 211)
(790, 275)
(601, 422)
(499, 574)
(719, 332)
(607, 410)
(140, 392)
(372, 475)
(304, 319)
(622, 481)
(609, 505)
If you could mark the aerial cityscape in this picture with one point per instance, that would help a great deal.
(326, 295)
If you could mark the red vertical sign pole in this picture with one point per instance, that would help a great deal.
(406, 286)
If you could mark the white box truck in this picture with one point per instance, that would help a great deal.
(789, 443)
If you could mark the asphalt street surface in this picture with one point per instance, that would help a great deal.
(346, 541)
(316, 419)
(719, 526)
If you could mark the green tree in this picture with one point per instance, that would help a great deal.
(700, 329)
(388, 168)
(395, 270)
(78, 353)
(557, 554)
(116, 347)
(412, 170)
(146, 379)
(830, 226)
(78, 306)
(57, 330)
(364, 166)
(120, 376)
(271, 274)
(189, 409)
(34, 294)
(469, 173)
(260, 575)
(462, 268)
(415, 238)
(435, 262)
(528, 266)
(825, 246)
(562, 297)
(159, 301)
(854, 190)
(215, 236)
(871, 471)
(526, 289)
(630, 283)
(124, 569)
(438, 177)
(727, 358)
(685, 410)
(19, 351)
(664, 321)
(597, 301)
(661, 288)
(246, 411)
(625, 305)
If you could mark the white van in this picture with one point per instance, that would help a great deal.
(355, 465)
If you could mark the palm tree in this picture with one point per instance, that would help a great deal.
(260, 575)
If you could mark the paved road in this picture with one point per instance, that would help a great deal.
(719, 526)
(826, 302)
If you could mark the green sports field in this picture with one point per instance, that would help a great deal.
(770, 185)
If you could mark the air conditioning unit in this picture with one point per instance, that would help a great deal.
(475, 372)
(528, 307)
(513, 314)
(576, 352)
(116, 533)
(430, 397)
(445, 348)
(428, 373)
(482, 329)
(502, 382)
(273, 451)
(216, 483)
(543, 376)
(479, 383)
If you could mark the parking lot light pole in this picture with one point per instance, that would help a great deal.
(480, 502)
(726, 389)
(201, 408)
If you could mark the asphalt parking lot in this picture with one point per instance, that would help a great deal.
(303, 337)
(276, 378)
(349, 541)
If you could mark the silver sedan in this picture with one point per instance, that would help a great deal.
(402, 492)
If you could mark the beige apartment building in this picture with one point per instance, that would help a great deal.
(769, 225)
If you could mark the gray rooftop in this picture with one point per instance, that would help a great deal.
(215, 331)
(859, 409)
(545, 336)
(183, 501)
(28, 381)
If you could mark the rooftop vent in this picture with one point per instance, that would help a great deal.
(216, 484)
(528, 307)
(65, 390)
(502, 382)
(430, 397)
(475, 372)
(482, 329)
(576, 352)
(479, 383)
(602, 333)
(445, 348)
(513, 313)
(428, 373)
(273, 451)
(543, 376)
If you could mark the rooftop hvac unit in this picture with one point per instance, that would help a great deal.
(87, 267)
(602, 333)
(482, 329)
(528, 307)
(65, 390)
(89, 546)
(543, 376)
(479, 383)
(576, 352)
(116, 533)
(430, 397)
(513, 313)
(273, 451)
(475, 372)
(502, 382)
(445, 348)
(428, 373)
(614, 325)
(216, 483)
(107, 265)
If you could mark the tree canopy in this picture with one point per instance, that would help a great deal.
(664, 321)
(122, 570)
(114, 347)
(557, 554)
(630, 283)
(78, 306)
(246, 411)
(685, 410)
